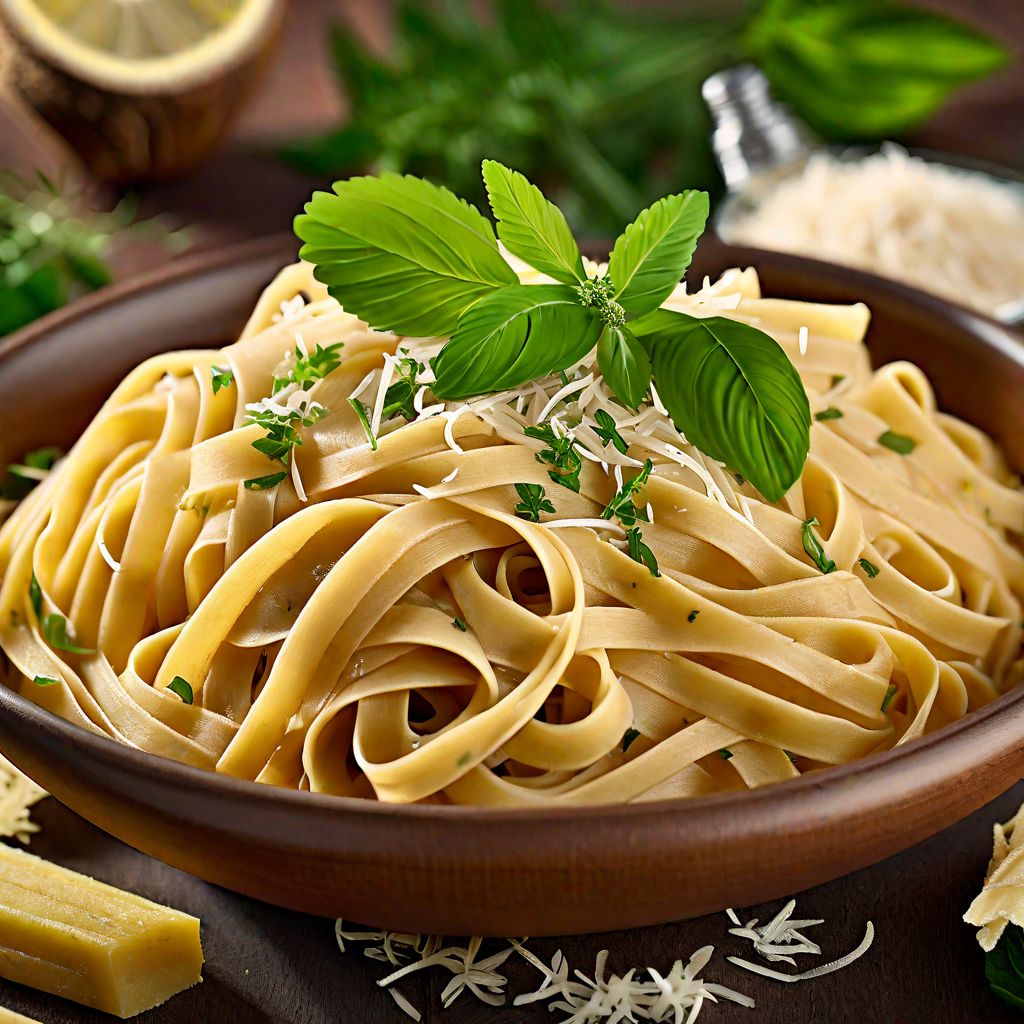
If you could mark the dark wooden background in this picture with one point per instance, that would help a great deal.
(268, 966)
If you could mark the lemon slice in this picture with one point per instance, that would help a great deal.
(140, 46)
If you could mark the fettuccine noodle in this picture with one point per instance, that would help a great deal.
(382, 624)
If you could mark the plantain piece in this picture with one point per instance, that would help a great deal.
(141, 91)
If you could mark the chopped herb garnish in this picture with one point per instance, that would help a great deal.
(364, 419)
(264, 483)
(309, 369)
(55, 630)
(627, 738)
(831, 413)
(813, 547)
(459, 624)
(532, 502)
(282, 427)
(564, 378)
(559, 452)
(889, 694)
(221, 378)
(898, 443)
(640, 552)
(22, 477)
(45, 681)
(869, 567)
(35, 596)
(725, 753)
(621, 506)
(182, 688)
(607, 430)
(692, 617)
(400, 396)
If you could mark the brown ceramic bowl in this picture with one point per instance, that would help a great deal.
(461, 870)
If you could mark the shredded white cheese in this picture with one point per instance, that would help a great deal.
(949, 231)
(18, 794)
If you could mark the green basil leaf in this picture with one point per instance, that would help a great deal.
(650, 257)
(624, 364)
(401, 253)
(511, 337)
(530, 226)
(1003, 967)
(731, 390)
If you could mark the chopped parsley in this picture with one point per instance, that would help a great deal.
(221, 378)
(459, 625)
(898, 443)
(560, 452)
(55, 630)
(45, 681)
(364, 419)
(813, 546)
(532, 502)
(400, 396)
(639, 551)
(182, 688)
(887, 699)
(692, 617)
(35, 596)
(627, 738)
(282, 427)
(869, 567)
(621, 506)
(831, 413)
(263, 483)
(609, 432)
(309, 369)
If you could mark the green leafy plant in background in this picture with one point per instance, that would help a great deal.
(52, 248)
(600, 102)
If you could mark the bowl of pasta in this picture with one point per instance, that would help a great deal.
(311, 614)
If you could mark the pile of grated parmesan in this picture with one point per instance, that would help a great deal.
(18, 794)
(956, 233)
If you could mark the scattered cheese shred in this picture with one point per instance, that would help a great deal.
(18, 794)
(814, 972)
(602, 999)
(781, 938)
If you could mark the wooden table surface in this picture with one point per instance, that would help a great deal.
(273, 966)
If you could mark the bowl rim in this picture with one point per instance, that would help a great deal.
(869, 770)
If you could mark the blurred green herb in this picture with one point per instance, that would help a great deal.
(53, 249)
(1004, 968)
(599, 102)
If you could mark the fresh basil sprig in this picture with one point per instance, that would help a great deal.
(409, 257)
